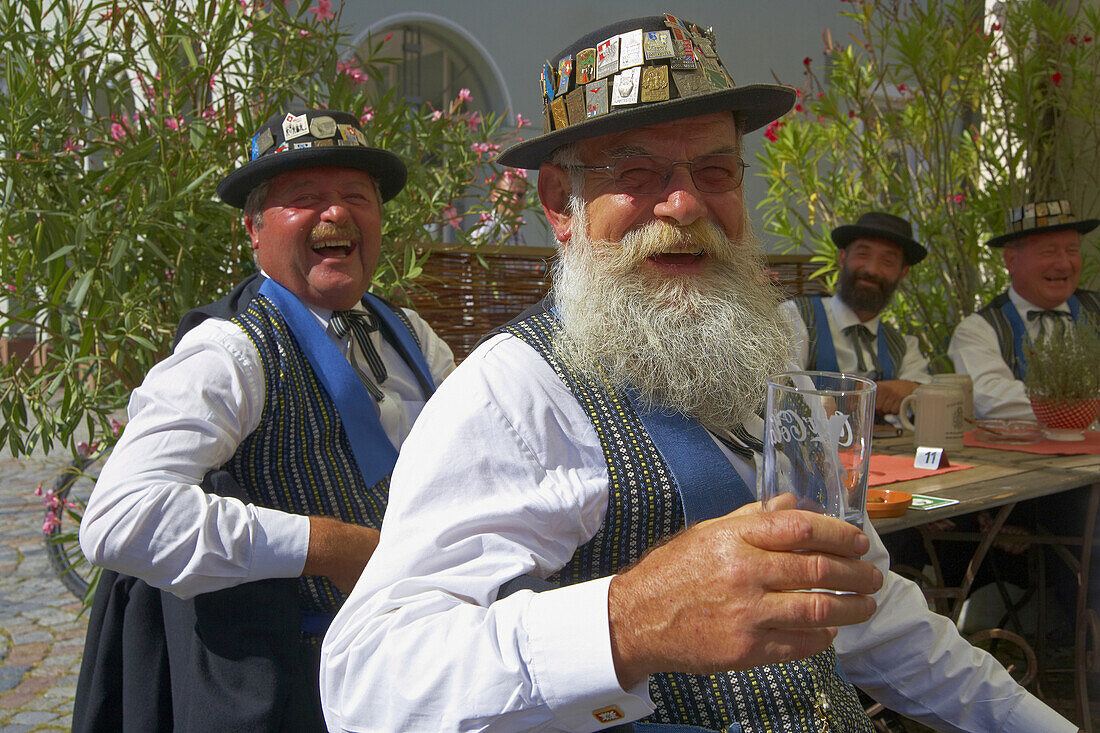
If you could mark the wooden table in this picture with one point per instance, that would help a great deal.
(998, 481)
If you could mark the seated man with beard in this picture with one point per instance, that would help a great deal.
(844, 333)
(572, 541)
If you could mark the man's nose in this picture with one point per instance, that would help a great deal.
(682, 203)
(335, 211)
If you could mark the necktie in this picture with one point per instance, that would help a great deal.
(360, 324)
(1053, 322)
(862, 339)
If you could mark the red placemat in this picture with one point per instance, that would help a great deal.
(890, 469)
(1091, 444)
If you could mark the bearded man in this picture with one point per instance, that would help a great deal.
(844, 333)
(246, 492)
(572, 541)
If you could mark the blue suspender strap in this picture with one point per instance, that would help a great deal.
(1074, 307)
(709, 486)
(405, 343)
(1019, 335)
(374, 453)
(826, 351)
(885, 360)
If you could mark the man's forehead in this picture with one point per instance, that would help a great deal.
(711, 132)
(1058, 238)
(876, 244)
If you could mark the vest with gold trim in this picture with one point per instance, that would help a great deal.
(644, 509)
(1002, 316)
(821, 353)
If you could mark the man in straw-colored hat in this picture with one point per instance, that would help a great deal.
(1042, 252)
(845, 332)
(247, 490)
(535, 572)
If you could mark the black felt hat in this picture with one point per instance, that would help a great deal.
(640, 72)
(881, 225)
(304, 139)
(1041, 216)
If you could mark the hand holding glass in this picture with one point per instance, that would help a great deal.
(817, 442)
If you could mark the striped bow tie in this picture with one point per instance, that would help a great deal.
(360, 324)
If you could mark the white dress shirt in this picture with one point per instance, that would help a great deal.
(975, 350)
(913, 367)
(148, 516)
(504, 476)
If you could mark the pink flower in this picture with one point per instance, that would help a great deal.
(11, 287)
(116, 427)
(485, 217)
(959, 198)
(519, 172)
(851, 113)
(995, 27)
(351, 70)
(1056, 78)
(117, 131)
(323, 11)
(388, 37)
(303, 33)
(174, 123)
(368, 115)
(450, 215)
(38, 489)
(465, 95)
(522, 121)
(82, 448)
(51, 524)
(473, 121)
(479, 147)
(798, 108)
(72, 145)
(807, 61)
(902, 88)
(436, 115)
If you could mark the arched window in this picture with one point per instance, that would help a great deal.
(436, 59)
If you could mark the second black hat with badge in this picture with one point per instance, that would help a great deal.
(1037, 217)
(880, 225)
(639, 72)
(305, 139)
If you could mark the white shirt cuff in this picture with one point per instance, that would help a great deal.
(571, 662)
(280, 546)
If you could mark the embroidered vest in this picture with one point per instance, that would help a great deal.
(644, 508)
(821, 352)
(1002, 315)
(299, 459)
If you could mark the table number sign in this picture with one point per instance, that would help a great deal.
(930, 458)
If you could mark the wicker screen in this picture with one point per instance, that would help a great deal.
(462, 299)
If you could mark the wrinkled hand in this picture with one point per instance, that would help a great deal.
(714, 598)
(339, 551)
(890, 393)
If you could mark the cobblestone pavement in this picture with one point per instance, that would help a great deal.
(41, 629)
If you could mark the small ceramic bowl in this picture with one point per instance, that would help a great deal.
(1011, 432)
(887, 502)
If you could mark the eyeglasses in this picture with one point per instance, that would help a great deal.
(648, 174)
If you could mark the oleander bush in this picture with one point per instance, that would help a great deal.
(947, 116)
(117, 120)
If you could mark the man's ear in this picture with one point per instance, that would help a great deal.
(904, 272)
(554, 190)
(841, 254)
(252, 230)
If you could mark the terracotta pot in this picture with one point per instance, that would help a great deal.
(1068, 416)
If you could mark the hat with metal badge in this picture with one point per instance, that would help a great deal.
(635, 73)
(304, 139)
(1040, 216)
(880, 225)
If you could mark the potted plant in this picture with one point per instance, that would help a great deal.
(1063, 381)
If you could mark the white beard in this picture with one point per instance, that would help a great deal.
(702, 345)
